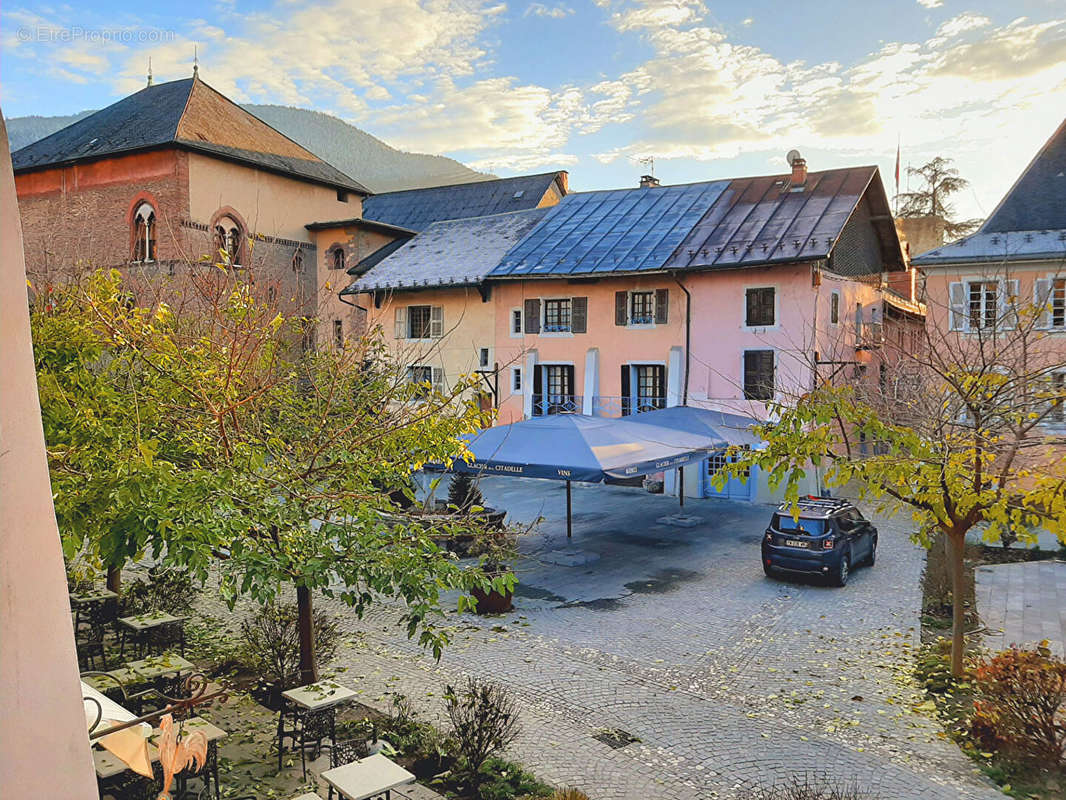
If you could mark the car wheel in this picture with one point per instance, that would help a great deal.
(843, 571)
(873, 553)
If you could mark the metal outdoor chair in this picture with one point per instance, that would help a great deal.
(89, 636)
(314, 727)
(161, 638)
(345, 752)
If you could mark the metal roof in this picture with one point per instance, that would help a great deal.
(450, 253)
(152, 118)
(719, 224)
(621, 230)
(418, 208)
(763, 220)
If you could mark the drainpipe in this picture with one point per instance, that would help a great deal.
(688, 337)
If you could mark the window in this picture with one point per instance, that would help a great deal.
(983, 304)
(553, 390)
(718, 461)
(144, 233)
(651, 387)
(516, 322)
(338, 333)
(759, 374)
(516, 380)
(834, 308)
(1057, 414)
(803, 526)
(298, 261)
(338, 259)
(229, 242)
(1058, 303)
(557, 316)
(483, 358)
(419, 322)
(422, 378)
(272, 295)
(760, 307)
(342, 196)
(644, 307)
(641, 308)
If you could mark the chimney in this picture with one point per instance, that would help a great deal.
(563, 179)
(799, 171)
(648, 182)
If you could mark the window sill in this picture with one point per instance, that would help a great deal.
(760, 328)
(640, 326)
(556, 334)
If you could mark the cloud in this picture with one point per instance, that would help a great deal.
(552, 12)
(930, 3)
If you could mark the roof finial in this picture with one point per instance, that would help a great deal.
(195, 62)
(149, 70)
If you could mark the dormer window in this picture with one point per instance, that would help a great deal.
(144, 234)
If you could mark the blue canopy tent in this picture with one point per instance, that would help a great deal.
(731, 429)
(575, 447)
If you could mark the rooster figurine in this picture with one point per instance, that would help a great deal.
(177, 752)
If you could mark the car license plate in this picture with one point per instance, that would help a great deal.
(796, 543)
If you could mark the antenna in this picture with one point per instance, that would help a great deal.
(149, 70)
(649, 162)
(793, 155)
(195, 61)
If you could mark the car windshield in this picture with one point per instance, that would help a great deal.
(802, 526)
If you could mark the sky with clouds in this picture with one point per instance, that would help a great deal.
(707, 89)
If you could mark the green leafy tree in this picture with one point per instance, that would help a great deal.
(940, 180)
(955, 436)
(276, 454)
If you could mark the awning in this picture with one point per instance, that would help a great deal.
(575, 447)
(733, 429)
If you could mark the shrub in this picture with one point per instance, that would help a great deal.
(484, 721)
(1020, 704)
(271, 639)
(569, 793)
(464, 493)
(812, 787)
(165, 589)
(498, 779)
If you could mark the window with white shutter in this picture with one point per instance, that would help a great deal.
(400, 330)
(436, 322)
(1050, 299)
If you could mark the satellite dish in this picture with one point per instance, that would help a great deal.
(792, 156)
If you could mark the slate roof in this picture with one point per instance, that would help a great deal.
(1037, 201)
(1028, 224)
(992, 247)
(719, 224)
(158, 115)
(419, 208)
(450, 253)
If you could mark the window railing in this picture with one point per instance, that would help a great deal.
(642, 319)
(618, 406)
(546, 404)
(559, 328)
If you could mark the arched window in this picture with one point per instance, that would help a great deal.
(144, 233)
(338, 258)
(298, 261)
(229, 241)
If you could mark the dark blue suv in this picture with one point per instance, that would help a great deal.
(829, 538)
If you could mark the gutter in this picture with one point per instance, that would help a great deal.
(688, 337)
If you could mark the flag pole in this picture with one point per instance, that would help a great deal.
(897, 174)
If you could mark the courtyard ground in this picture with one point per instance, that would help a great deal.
(725, 679)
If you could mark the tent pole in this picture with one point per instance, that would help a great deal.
(569, 520)
(681, 486)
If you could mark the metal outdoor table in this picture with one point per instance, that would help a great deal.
(368, 777)
(141, 625)
(316, 696)
(95, 596)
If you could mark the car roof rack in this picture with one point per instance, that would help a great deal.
(812, 503)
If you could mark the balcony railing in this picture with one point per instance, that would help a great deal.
(618, 406)
(871, 336)
(545, 404)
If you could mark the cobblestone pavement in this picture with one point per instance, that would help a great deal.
(673, 635)
(1023, 603)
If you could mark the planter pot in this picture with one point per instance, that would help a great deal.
(493, 602)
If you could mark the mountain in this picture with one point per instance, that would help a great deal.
(369, 160)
